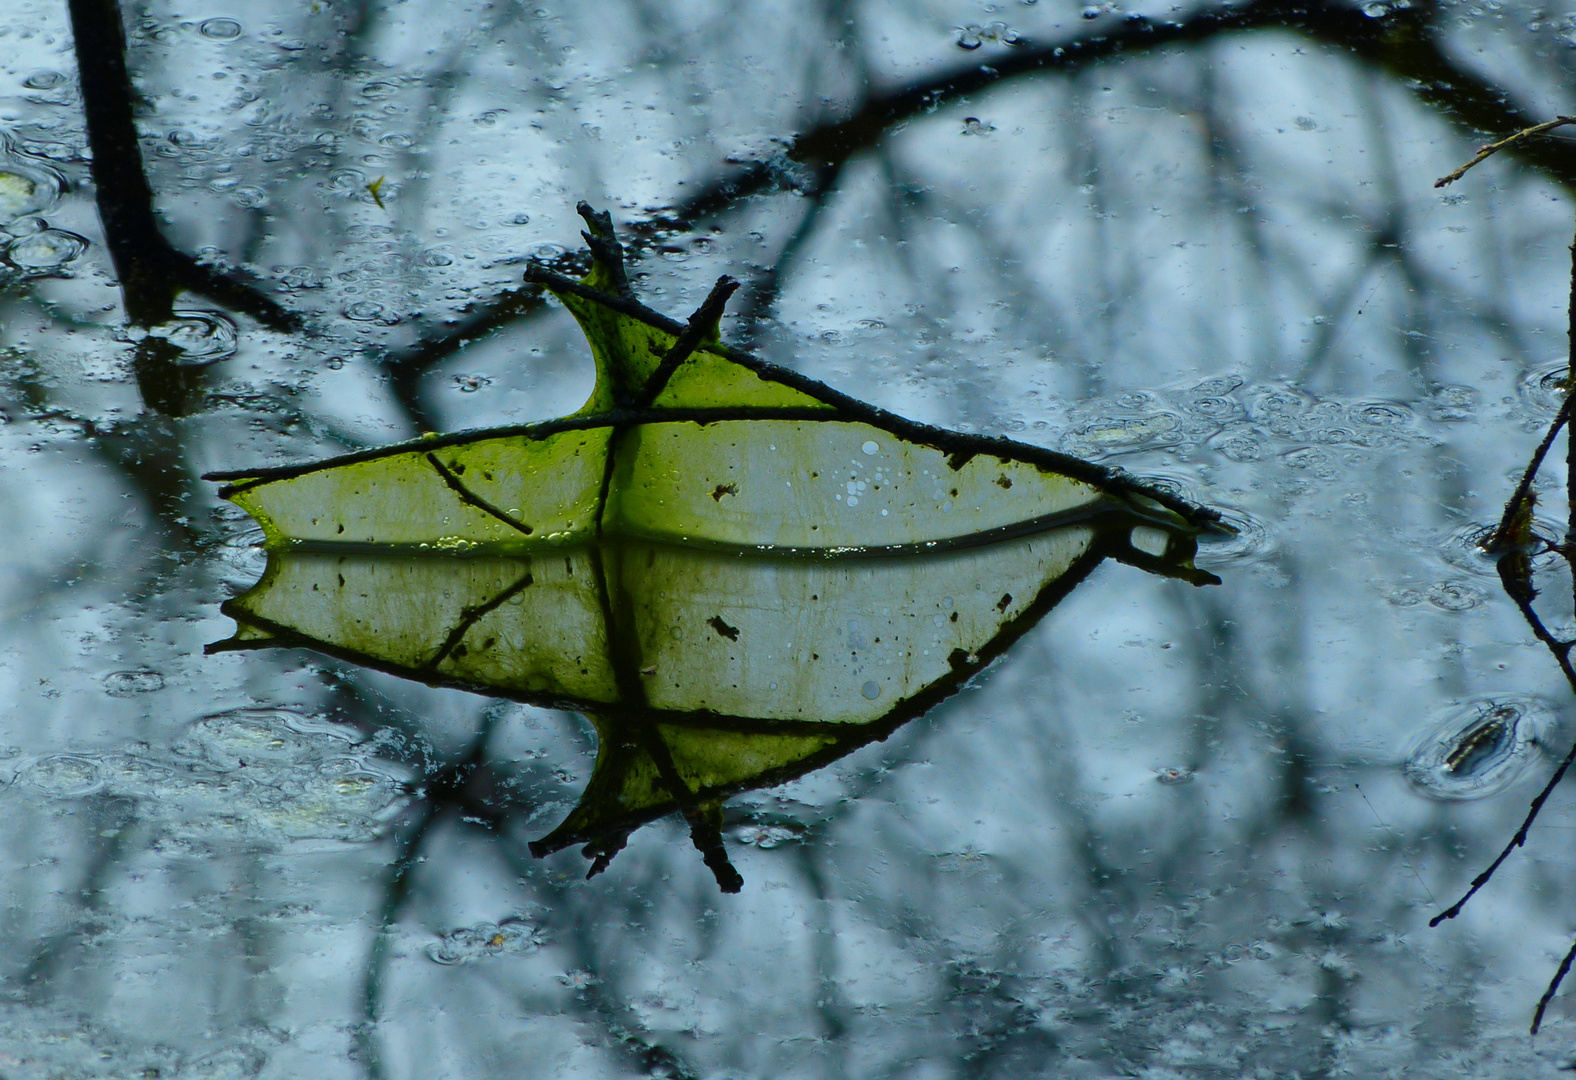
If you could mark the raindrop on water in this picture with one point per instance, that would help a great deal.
(204, 337)
(220, 29)
(25, 190)
(43, 80)
(125, 684)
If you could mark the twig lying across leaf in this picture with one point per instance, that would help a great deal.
(1488, 151)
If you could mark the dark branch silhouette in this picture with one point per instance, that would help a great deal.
(150, 269)
(1404, 43)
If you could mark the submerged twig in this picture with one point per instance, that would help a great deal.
(1488, 151)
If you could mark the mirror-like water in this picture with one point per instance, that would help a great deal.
(1170, 832)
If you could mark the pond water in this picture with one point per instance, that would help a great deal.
(1172, 831)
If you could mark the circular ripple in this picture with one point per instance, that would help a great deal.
(472, 943)
(1480, 748)
(1463, 548)
(1544, 387)
(1250, 543)
(204, 337)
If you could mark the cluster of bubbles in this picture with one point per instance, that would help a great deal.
(250, 778)
(973, 35)
(1240, 423)
(1479, 748)
(28, 244)
(511, 937)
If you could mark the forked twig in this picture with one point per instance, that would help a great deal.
(1488, 151)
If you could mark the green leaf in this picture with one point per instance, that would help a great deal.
(685, 438)
(739, 573)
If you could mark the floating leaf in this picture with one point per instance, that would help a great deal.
(739, 574)
(687, 439)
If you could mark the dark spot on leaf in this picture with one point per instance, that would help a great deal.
(724, 489)
(487, 476)
(954, 493)
(489, 643)
(729, 632)
(341, 581)
(815, 656)
(954, 616)
(459, 651)
(341, 528)
(958, 659)
(458, 467)
(1003, 482)
(1006, 598)
(569, 568)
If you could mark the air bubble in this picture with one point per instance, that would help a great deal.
(871, 690)
(512, 937)
(369, 311)
(47, 249)
(871, 447)
(220, 29)
(125, 684)
(469, 384)
(1478, 749)
(66, 775)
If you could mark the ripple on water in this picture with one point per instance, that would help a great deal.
(1463, 548)
(1544, 387)
(1480, 748)
(203, 337)
(1252, 541)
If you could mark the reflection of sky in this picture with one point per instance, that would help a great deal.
(1135, 263)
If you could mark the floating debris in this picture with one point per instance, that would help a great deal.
(1480, 748)
(511, 937)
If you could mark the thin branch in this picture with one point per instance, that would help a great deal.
(1511, 521)
(1554, 985)
(1488, 151)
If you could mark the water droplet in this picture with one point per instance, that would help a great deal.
(44, 79)
(204, 337)
(871, 690)
(1480, 748)
(249, 197)
(469, 384)
(1171, 774)
(519, 219)
(370, 311)
(47, 249)
(969, 37)
(871, 447)
(220, 29)
(125, 684)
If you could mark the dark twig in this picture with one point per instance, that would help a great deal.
(1554, 985)
(702, 322)
(1504, 536)
(151, 270)
(1488, 151)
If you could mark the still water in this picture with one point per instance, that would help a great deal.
(1166, 830)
